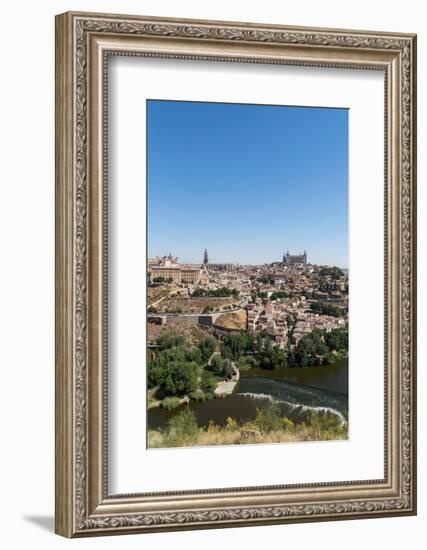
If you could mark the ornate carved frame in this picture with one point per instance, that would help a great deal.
(83, 42)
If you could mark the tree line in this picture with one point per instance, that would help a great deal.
(333, 272)
(177, 368)
(223, 292)
(253, 350)
(325, 309)
(258, 350)
(319, 348)
(162, 280)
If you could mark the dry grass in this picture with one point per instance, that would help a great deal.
(156, 293)
(192, 333)
(236, 320)
(152, 401)
(193, 305)
(248, 435)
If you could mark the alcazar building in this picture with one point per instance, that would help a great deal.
(290, 259)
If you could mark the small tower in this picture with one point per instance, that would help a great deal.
(205, 258)
(305, 256)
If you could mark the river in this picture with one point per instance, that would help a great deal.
(295, 391)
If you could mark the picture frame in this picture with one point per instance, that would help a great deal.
(84, 42)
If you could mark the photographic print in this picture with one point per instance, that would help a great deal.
(247, 274)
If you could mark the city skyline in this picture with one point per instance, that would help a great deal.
(247, 182)
(173, 255)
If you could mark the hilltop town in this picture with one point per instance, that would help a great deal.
(284, 300)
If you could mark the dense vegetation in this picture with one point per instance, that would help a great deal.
(223, 292)
(333, 272)
(268, 426)
(253, 351)
(221, 367)
(280, 294)
(325, 309)
(317, 348)
(176, 368)
(258, 294)
(162, 280)
(320, 348)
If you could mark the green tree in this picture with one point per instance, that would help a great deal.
(207, 347)
(333, 272)
(337, 339)
(227, 369)
(170, 340)
(216, 365)
(181, 378)
(325, 309)
(278, 295)
(208, 382)
(277, 359)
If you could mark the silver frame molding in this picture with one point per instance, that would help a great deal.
(83, 43)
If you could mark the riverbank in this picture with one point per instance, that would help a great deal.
(167, 402)
(295, 391)
(267, 427)
(226, 387)
(223, 389)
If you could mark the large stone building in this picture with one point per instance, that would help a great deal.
(290, 259)
(168, 269)
(215, 267)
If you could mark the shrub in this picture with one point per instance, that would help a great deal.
(287, 423)
(209, 396)
(197, 395)
(328, 359)
(246, 363)
(322, 421)
(231, 424)
(212, 427)
(208, 382)
(170, 403)
(182, 428)
(267, 418)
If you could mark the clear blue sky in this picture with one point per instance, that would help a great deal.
(247, 182)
